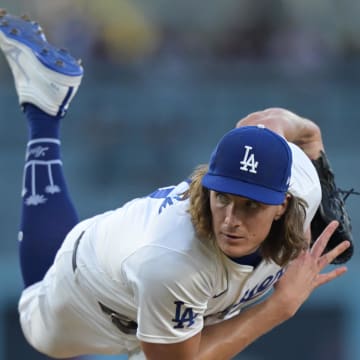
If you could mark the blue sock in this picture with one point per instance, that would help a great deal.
(47, 209)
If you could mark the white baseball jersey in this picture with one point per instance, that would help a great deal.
(140, 273)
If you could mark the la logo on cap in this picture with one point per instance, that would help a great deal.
(248, 162)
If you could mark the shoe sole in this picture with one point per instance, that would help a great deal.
(30, 35)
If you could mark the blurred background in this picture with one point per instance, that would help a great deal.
(163, 81)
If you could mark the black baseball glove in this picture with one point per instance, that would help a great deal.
(332, 207)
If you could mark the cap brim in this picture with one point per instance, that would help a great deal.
(243, 189)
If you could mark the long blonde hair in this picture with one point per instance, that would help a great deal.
(285, 240)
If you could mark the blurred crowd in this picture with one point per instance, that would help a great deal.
(165, 63)
(303, 33)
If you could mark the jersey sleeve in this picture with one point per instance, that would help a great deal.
(171, 294)
(305, 182)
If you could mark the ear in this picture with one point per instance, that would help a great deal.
(281, 209)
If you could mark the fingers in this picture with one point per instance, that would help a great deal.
(320, 245)
(325, 278)
(327, 258)
(321, 242)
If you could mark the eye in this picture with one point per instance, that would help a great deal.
(251, 204)
(222, 198)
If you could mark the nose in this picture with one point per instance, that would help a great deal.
(232, 217)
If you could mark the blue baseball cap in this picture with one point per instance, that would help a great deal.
(253, 162)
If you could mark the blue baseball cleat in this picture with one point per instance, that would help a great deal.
(44, 75)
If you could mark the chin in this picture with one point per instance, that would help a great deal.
(234, 251)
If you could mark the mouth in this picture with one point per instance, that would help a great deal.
(231, 237)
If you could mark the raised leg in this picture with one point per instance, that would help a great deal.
(46, 80)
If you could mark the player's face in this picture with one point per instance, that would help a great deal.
(240, 225)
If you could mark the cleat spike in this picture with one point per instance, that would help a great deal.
(59, 62)
(14, 31)
(4, 23)
(3, 12)
(26, 17)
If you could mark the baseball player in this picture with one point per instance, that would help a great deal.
(179, 273)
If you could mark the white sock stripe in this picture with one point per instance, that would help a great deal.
(44, 140)
(43, 162)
